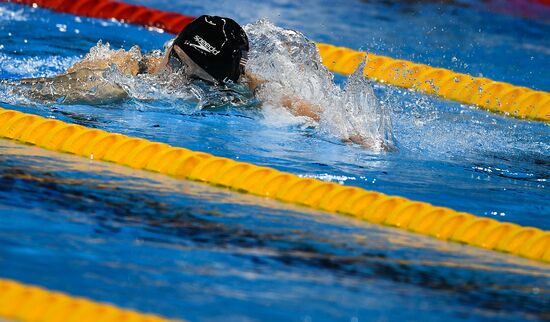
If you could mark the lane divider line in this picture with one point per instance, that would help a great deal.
(499, 97)
(20, 302)
(374, 207)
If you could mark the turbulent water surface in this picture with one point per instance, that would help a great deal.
(188, 250)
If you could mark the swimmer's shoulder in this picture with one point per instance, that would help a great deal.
(150, 62)
(127, 62)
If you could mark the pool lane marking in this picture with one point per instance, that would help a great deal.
(500, 97)
(20, 302)
(374, 207)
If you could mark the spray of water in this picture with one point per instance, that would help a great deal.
(291, 66)
(96, 80)
(7, 14)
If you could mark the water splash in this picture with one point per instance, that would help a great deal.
(95, 80)
(176, 91)
(12, 15)
(327, 177)
(18, 66)
(486, 145)
(290, 67)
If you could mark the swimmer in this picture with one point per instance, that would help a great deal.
(210, 49)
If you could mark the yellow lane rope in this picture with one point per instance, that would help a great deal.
(494, 96)
(419, 217)
(20, 302)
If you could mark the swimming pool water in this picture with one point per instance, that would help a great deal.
(187, 250)
(183, 249)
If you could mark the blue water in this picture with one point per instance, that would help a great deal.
(187, 250)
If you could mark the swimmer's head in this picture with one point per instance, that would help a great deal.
(213, 45)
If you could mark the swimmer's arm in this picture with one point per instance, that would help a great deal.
(81, 86)
(253, 81)
(296, 105)
(360, 140)
(300, 107)
(125, 61)
(152, 64)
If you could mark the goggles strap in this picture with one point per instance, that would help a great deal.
(194, 69)
(191, 67)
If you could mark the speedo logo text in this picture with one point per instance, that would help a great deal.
(204, 45)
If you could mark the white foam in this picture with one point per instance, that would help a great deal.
(12, 15)
(35, 66)
(174, 90)
(276, 116)
(291, 66)
(329, 177)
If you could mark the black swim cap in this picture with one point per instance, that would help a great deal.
(217, 44)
